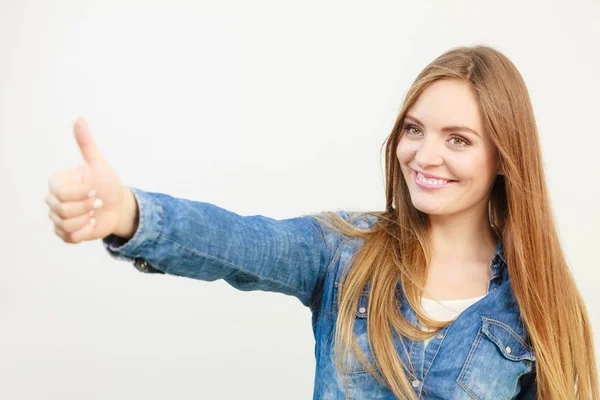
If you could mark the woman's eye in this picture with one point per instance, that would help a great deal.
(462, 142)
(413, 130)
(409, 128)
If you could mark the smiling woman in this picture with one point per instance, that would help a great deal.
(433, 156)
(459, 289)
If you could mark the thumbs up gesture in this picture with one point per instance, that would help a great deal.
(87, 202)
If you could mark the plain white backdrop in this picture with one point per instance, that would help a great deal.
(265, 107)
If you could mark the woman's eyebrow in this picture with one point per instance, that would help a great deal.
(452, 128)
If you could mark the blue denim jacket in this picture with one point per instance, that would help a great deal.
(484, 353)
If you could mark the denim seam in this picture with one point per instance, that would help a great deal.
(331, 261)
(466, 364)
(438, 349)
(337, 254)
(160, 220)
(517, 381)
(509, 329)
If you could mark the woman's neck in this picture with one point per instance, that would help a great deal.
(462, 240)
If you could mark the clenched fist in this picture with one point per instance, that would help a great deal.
(89, 202)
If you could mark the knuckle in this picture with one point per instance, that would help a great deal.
(60, 209)
(69, 238)
(72, 225)
(58, 222)
(60, 234)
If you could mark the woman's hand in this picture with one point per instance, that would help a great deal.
(88, 202)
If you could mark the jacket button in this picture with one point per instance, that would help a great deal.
(508, 349)
(441, 336)
(362, 310)
(415, 383)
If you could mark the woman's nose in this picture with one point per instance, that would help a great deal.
(429, 153)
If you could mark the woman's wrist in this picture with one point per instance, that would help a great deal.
(129, 216)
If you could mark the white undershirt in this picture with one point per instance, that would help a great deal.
(445, 310)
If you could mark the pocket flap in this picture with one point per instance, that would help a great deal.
(509, 343)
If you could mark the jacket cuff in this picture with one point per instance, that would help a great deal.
(151, 221)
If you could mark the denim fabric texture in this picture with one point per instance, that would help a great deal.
(485, 353)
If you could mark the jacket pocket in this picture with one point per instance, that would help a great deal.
(498, 357)
(352, 363)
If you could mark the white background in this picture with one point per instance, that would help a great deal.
(265, 107)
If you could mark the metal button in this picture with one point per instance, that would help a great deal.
(362, 310)
(143, 265)
(441, 336)
(415, 383)
(508, 349)
(493, 289)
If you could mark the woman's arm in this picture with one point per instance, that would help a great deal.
(203, 241)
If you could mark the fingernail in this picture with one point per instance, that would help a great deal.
(92, 193)
(97, 203)
(92, 212)
(92, 221)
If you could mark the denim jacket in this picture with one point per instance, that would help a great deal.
(484, 353)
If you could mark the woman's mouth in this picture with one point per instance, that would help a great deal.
(428, 183)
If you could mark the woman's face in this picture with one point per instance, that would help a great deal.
(465, 161)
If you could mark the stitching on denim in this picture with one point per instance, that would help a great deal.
(325, 243)
(161, 224)
(517, 381)
(331, 262)
(464, 372)
(438, 349)
(336, 256)
(349, 371)
(142, 221)
(510, 330)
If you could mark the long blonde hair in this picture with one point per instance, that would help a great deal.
(397, 249)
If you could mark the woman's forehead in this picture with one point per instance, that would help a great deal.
(447, 103)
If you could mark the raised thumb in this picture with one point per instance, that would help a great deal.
(89, 150)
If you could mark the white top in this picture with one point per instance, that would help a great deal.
(445, 310)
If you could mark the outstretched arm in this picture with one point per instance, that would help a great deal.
(203, 241)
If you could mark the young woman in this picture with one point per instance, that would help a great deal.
(458, 290)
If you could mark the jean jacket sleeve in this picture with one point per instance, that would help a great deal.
(203, 241)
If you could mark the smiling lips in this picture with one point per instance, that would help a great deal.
(429, 183)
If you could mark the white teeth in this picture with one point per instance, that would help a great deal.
(430, 181)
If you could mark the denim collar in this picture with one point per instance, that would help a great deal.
(498, 263)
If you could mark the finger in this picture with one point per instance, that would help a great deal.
(70, 185)
(71, 209)
(85, 233)
(69, 225)
(60, 233)
(85, 140)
